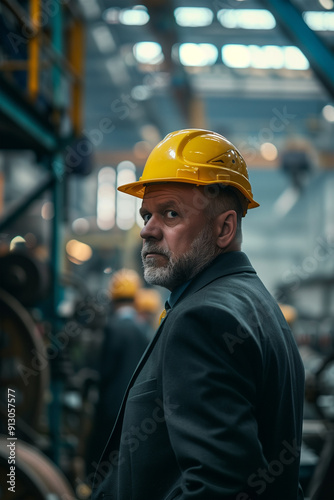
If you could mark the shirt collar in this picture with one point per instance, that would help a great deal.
(177, 292)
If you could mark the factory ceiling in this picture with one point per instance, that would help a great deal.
(256, 71)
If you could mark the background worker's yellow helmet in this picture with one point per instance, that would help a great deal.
(124, 284)
(194, 156)
(148, 300)
(289, 313)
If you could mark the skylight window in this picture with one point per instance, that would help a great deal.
(268, 56)
(125, 204)
(137, 16)
(295, 59)
(258, 19)
(193, 16)
(106, 195)
(236, 56)
(148, 52)
(111, 15)
(319, 21)
(265, 57)
(201, 54)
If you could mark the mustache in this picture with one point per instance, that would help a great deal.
(153, 248)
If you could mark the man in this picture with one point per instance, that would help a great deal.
(125, 340)
(148, 305)
(214, 408)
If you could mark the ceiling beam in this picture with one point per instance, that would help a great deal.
(320, 57)
(165, 29)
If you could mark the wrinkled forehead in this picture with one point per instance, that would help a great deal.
(187, 196)
(174, 191)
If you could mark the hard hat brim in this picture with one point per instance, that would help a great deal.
(137, 188)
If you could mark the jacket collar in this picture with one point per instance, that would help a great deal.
(223, 265)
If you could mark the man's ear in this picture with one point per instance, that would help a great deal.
(226, 227)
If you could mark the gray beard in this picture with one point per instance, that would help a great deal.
(180, 269)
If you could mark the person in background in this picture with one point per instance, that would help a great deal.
(125, 340)
(214, 409)
(148, 305)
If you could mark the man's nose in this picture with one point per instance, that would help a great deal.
(152, 229)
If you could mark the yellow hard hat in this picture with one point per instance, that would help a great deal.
(289, 313)
(148, 300)
(124, 284)
(194, 156)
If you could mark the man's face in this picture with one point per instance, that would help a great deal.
(178, 238)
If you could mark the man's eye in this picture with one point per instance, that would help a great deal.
(146, 218)
(171, 214)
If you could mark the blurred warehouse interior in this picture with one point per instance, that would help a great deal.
(87, 89)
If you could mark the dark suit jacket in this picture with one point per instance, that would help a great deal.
(214, 409)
